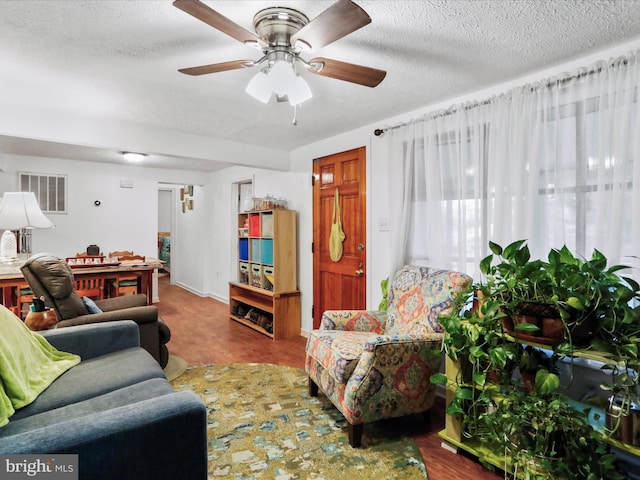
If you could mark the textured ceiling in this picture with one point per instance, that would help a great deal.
(118, 60)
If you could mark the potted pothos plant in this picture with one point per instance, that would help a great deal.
(485, 335)
(545, 437)
(564, 299)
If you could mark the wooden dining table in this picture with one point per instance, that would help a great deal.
(11, 277)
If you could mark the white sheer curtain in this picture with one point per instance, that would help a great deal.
(556, 162)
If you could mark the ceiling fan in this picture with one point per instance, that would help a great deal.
(282, 34)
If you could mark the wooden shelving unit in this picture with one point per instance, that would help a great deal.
(267, 271)
(452, 433)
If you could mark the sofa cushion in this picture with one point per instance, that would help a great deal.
(93, 377)
(28, 364)
(128, 395)
(337, 351)
(91, 305)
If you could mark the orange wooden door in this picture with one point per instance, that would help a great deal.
(339, 284)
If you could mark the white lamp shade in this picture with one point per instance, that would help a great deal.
(282, 77)
(260, 87)
(20, 210)
(300, 92)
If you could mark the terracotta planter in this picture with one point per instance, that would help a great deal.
(551, 329)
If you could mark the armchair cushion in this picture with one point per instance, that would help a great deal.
(28, 364)
(337, 351)
(122, 302)
(417, 296)
(373, 321)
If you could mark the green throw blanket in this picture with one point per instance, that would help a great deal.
(28, 364)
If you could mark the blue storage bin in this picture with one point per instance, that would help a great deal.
(255, 250)
(243, 250)
(267, 251)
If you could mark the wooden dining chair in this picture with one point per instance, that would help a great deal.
(120, 253)
(125, 282)
(23, 295)
(90, 286)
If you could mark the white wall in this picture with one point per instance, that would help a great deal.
(190, 243)
(125, 220)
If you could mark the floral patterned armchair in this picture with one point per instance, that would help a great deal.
(373, 364)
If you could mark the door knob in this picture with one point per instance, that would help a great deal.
(359, 272)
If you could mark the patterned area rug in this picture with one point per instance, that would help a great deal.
(264, 425)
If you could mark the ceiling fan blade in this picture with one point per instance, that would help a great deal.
(209, 16)
(337, 21)
(349, 72)
(215, 67)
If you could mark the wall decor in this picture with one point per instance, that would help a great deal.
(186, 196)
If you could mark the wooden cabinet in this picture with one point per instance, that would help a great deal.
(265, 296)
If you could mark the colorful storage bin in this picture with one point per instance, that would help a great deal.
(254, 225)
(256, 276)
(243, 273)
(256, 256)
(267, 225)
(268, 278)
(243, 250)
(266, 253)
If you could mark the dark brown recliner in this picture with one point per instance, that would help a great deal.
(52, 278)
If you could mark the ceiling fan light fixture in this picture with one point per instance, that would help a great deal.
(282, 77)
(260, 87)
(300, 92)
(281, 33)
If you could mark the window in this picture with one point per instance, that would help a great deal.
(556, 162)
(50, 190)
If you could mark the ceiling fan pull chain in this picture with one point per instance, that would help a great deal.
(295, 120)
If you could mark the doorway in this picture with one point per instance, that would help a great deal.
(339, 283)
(166, 226)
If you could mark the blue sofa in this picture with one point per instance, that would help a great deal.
(115, 409)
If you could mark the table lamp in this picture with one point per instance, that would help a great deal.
(19, 210)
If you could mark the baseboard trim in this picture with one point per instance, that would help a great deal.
(190, 289)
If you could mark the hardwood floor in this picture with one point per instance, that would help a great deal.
(202, 334)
